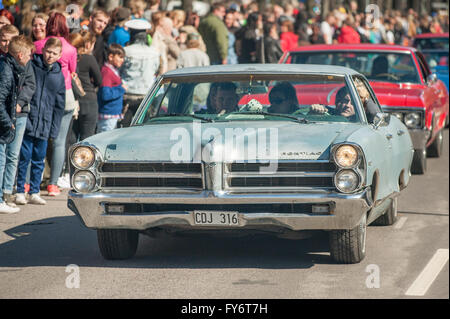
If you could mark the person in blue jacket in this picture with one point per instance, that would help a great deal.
(111, 92)
(120, 35)
(44, 119)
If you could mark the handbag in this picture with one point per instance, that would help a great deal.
(77, 87)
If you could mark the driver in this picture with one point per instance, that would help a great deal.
(380, 66)
(226, 98)
(344, 106)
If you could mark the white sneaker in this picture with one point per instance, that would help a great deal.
(21, 199)
(37, 200)
(63, 181)
(6, 209)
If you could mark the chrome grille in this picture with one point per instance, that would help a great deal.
(289, 176)
(148, 175)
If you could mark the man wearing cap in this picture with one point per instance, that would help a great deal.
(140, 67)
(120, 35)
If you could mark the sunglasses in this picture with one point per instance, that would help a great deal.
(277, 100)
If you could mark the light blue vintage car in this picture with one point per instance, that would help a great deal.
(276, 149)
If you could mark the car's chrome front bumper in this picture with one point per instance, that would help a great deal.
(346, 213)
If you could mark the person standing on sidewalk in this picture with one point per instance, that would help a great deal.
(139, 69)
(111, 92)
(215, 34)
(57, 27)
(20, 48)
(11, 67)
(44, 119)
(90, 76)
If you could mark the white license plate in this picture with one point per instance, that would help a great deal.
(216, 218)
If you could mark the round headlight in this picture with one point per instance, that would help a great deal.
(346, 181)
(398, 115)
(412, 120)
(83, 157)
(346, 156)
(83, 181)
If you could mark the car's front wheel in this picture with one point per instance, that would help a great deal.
(117, 243)
(419, 163)
(389, 217)
(349, 246)
(435, 149)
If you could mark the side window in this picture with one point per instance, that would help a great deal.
(423, 67)
(367, 97)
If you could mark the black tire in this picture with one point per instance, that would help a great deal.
(389, 217)
(349, 246)
(435, 149)
(419, 163)
(117, 243)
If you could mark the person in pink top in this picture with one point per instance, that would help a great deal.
(57, 27)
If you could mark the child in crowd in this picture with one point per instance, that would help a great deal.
(12, 69)
(20, 48)
(7, 32)
(111, 92)
(44, 119)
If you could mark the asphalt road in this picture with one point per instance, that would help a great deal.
(44, 248)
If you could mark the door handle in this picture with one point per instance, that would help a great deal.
(400, 132)
(388, 136)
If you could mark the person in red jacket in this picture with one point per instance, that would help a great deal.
(288, 39)
(348, 34)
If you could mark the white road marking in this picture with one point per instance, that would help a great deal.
(400, 222)
(429, 273)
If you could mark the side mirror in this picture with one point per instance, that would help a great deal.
(381, 119)
(432, 78)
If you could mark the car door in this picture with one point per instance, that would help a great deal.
(392, 138)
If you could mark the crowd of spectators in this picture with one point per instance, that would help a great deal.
(111, 55)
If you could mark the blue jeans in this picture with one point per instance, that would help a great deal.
(12, 156)
(59, 148)
(106, 125)
(2, 167)
(33, 149)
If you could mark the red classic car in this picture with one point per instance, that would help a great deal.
(403, 83)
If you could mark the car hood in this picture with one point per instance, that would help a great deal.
(398, 95)
(225, 141)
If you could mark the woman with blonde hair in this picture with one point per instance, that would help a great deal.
(137, 8)
(38, 24)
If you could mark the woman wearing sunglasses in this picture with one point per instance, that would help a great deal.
(283, 99)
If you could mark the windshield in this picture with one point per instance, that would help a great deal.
(212, 98)
(376, 66)
(431, 43)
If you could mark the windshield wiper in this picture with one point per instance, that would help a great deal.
(181, 114)
(297, 119)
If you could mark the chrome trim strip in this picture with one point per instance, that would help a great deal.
(155, 190)
(148, 175)
(275, 189)
(279, 174)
